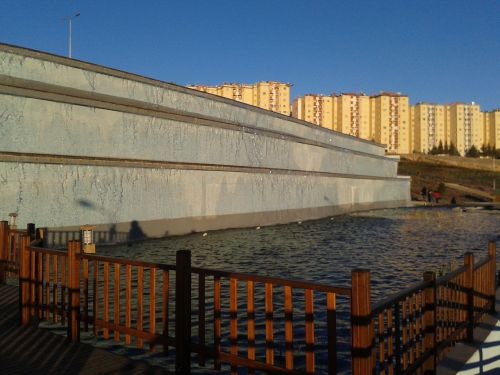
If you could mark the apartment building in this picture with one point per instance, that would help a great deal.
(352, 115)
(273, 96)
(390, 122)
(491, 121)
(464, 126)
(428, 126)
(316, 109)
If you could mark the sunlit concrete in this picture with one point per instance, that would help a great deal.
(81, 143)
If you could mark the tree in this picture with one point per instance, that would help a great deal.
(440, 149)
(472, 152)
(441, 188)
(446, 148)
(453, 150)
(486, 150)
(433, 150)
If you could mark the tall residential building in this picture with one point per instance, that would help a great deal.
(390, 122)
(346, 113)
(352, 115)
(273, 96)
(492, 128)
(316, 109)
(428, 124)
(464, 126)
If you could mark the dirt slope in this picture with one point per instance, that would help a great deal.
(431, 175)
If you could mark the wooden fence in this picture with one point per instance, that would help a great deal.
(244, 320)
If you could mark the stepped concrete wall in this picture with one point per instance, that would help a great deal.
(80, 143)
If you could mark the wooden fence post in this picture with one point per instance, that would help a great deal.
(183, 312)
(40, 237)
(361, 323)
(74, 291)
(430, 322)
(24, 280)
(4, 243)
(30, 230)
(492, 252)
(469, 288)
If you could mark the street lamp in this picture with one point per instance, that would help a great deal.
(70, 19)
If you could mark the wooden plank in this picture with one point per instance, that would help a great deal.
(201, 317)
(250, 321)
(411, 328)
(361, 328)
(86, 294)
(128, 300)
(288, 328)
(105, 331)
(233, 322)
(381, 343)
(152, 300)
(46, 303)
(269, 309)
(95, 301)
(390, 351)
(331, 306)
(116, 305)
(309, 310)
(39, 285)
(64, 287)
(217, 323)
(55, 283)
(165, 301)
(404, 333)
(140, 292)
(32, 283)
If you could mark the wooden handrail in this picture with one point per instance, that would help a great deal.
(299, 284)
(403, 333)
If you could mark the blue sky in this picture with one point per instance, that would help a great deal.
(436, 51)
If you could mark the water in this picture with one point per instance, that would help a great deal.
(396, 245)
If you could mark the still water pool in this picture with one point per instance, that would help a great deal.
(397, 245)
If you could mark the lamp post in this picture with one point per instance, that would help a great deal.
(12, 220)
(87, 239)
(70, 19)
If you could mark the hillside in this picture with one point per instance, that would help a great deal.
(431, 174)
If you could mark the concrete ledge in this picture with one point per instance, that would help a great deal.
(180, 226)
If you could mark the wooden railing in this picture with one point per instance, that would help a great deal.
(56, 238)
(259, 323)
(414, 329)
(9, 249)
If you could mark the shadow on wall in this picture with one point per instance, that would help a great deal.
(136, 233)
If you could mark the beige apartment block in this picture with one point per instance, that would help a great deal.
(464, 126)
(428, 125)
(390, 122)
(273, 96)
(491, 122)
(352, 115)
(316, 109)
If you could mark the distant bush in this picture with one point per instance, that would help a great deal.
(472, 152)
(441, 188)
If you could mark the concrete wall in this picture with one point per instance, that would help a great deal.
(86, 144)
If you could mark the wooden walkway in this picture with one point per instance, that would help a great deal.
(31, 350)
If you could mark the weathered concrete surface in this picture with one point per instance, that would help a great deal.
(161, 199)
(86, 144)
